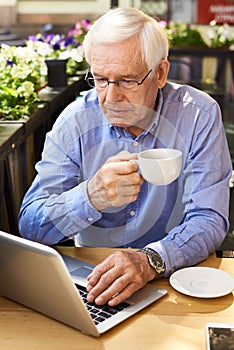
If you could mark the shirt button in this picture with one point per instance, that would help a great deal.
(90, 219)
(132, 213)
(135, 143)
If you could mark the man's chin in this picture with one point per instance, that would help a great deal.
(125, 116)
(122, 121)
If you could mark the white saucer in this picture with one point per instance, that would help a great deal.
(202, 282)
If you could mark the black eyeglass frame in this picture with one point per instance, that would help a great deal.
(116, 82)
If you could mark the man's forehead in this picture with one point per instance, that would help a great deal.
(126, 51)
(113, 58)
(117, 71)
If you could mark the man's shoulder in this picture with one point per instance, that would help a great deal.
(82, 110)
(175, 92)
(86, 100)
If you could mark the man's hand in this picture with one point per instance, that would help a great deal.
(116, 183)
(118, 277)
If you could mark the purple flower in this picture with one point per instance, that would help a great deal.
(56, 47)
(69, 41)
(9, 63)
(60, 42)
(32, 38)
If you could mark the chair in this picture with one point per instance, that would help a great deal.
(229, 130)
(188, 70)
(180, 71)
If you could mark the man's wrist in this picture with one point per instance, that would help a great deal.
(155, 261)
(94, 197)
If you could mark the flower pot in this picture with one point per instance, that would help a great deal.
(57, 76)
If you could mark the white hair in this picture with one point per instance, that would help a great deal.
(124, 23)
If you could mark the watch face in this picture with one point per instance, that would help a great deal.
(155, 260)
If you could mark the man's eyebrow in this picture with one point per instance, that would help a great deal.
(97, 75)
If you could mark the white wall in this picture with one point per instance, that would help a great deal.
(183, 10)
(65, 7)
(8, 2)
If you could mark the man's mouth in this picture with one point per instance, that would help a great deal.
(127, 115)
(117, 111)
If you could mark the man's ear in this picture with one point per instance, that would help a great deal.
(162, 70)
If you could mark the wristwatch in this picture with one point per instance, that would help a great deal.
(155, 260)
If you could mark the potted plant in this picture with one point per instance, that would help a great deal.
(181, 34)
(23, 73)
(24, 70)
(63, 47)
(220, 36)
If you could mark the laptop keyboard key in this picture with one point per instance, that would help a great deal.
(99, 319)
(100, 313)
(104, 314)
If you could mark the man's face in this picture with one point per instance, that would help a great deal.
(122, 61)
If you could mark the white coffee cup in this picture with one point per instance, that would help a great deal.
(160, 166)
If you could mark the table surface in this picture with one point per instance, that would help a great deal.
(176, 321)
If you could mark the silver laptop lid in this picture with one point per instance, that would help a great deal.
(36, 276)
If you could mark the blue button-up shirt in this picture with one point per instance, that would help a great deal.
(184, 221)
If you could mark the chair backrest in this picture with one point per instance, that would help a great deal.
(180, 71)
(229, 129)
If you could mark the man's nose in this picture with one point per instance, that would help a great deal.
(113, 93)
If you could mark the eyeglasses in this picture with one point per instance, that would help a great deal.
(123, 85)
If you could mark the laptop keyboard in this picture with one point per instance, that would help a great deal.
(100, 313)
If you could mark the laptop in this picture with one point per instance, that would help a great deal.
(40, 278)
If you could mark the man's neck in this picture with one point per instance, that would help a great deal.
(134, 130)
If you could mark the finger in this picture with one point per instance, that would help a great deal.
(102, 291)
(100, 281)
(107, 190)
(124, 197)
(119, 291)
(125, 191)
(101, 297)
(122, 156)
(97, 272)
(122, 167)
(130, 289)
(120, 282)
(130, 179)
(128, 185)
(128, 272)
(103, 275)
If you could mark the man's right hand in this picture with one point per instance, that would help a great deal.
(116, 183)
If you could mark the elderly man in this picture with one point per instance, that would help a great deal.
(88, 187)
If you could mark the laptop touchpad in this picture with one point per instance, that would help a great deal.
(82, 272)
